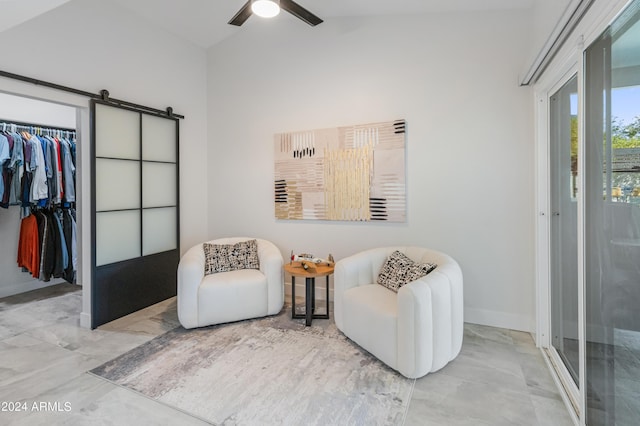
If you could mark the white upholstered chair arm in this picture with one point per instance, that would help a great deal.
(190, 274)
(346, 273)
(360, 269)
(436, 298)
(350, 272)
(450, 272)
(271, 266)
(415, 328)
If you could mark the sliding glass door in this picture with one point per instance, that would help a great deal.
(563, 250)
(590, 224)
(612, 234)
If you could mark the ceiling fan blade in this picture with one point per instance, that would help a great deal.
(300, 12)
(243, 14)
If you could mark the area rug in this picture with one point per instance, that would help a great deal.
(270, 371)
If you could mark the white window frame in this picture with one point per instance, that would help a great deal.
(544, 89)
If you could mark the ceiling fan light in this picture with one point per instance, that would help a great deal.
(265, 8)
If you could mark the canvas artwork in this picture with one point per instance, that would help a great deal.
(354, 173)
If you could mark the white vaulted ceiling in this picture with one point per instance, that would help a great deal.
(204, 22)
(15, 12)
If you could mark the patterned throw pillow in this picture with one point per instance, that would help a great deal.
(230, 257)
(399, 270)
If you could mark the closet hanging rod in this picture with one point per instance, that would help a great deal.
(103, 95)
(41, 126)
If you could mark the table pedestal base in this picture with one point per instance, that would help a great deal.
(310, 300)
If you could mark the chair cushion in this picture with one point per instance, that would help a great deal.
(232, 296)
(399, 270)
(230, 257)
(371, 318)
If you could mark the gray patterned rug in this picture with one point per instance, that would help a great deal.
(270, 371)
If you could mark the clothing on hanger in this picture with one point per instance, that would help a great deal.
(37, 172)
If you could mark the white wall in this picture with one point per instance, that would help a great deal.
(37, 112)
(453, 77)
(12, 279)
(93, 45)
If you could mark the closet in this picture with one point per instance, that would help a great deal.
(128, 233)
(38, 229)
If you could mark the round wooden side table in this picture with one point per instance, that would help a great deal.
(296, 270)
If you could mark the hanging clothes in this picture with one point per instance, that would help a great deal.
(5, 156)
(48, 160)
(29, 246)
(37, 172)
(5, 173)
(15, 167)
(68, 172)
(69, 237)
(47, 245)
(62, 254)
(39, 187)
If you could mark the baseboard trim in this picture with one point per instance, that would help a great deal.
(499, 319)
(19, 288)
(471, 315)
(85, 320)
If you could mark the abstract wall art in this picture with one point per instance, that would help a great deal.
(353, 173)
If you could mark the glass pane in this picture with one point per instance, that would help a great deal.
(564, 225)
(117, 184)
(117, 236)
(158, 139)
(158, 184)
(613, 223)
(117, 133)
(159, 230)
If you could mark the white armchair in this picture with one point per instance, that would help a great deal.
(229, 296)
(415, 331)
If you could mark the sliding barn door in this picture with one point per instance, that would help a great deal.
(135, 210)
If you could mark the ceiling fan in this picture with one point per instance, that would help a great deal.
(273, 8)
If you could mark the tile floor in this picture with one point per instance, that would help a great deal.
(499, 378)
